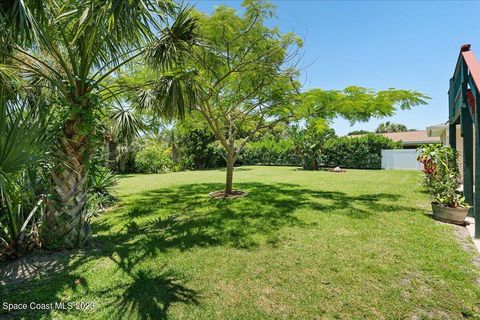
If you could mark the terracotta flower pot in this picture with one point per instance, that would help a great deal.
(448, 214)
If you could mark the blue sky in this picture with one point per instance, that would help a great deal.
(380, 44)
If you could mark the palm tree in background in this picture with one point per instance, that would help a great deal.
(125, 126)
(71, 50)
(391, 127)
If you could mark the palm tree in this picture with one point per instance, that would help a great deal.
(72, 49)
(125, 126)
(390, 127)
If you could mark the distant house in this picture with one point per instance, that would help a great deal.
(441, 131)
(410, 139)
(405, 158)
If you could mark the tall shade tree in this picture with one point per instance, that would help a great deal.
(241, 79)
(72, 49)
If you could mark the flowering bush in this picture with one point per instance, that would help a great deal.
(440, 166)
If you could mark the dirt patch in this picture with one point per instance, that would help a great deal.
(232, 195)
(32, 265)
(466, 243)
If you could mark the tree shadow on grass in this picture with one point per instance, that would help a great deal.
(184, 218)
(142, 294)
(148, 295)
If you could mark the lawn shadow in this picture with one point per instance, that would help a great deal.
(148, 295)
(143, 294)
(185, 218)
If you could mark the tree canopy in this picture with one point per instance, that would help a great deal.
(390, 127)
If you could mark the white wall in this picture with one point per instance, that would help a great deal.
(400, 159)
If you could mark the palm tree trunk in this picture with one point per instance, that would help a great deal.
(122, 163)
(67, 223)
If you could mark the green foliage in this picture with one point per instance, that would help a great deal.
(309, 143)
(153, 158)
(360, 152)
(391, 127)
(270, 152)
(357, 103)
(358, 132)
(196, 144)
(126, 125)
(24, 145)
(442, 175)
(70, 51)
(99, 186)
(241, 76)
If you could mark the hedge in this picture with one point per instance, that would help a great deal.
(269, 152)
(363, 152)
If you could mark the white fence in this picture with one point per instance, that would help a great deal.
(400, 159)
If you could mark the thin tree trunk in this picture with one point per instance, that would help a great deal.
(122, 163)
(107, 138)
(66, 217)
(229, 183)
(174, 152)
(113, 155)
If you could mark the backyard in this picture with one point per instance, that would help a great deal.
(301, 244)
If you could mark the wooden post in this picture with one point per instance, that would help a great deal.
(467, 133)
(452, 139)
(476, 196)
(452, 135)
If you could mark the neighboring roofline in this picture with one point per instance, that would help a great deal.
(436, 130)
(410, 143)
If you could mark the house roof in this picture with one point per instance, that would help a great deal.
(436, 130)
(409, 137)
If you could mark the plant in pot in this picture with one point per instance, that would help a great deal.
(442, 180)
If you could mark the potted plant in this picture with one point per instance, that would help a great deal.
(442, 180)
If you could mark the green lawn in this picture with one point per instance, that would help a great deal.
(302, 244)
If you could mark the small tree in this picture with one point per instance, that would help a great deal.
(241, 81)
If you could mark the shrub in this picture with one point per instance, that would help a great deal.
(153, 158)
(197, 147)
(100, 183)
(308, 144)
(442, 176)
(269, 152)
(360, 152)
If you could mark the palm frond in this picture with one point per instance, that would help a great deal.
(126, 125)
(171, 96)
(175, 41)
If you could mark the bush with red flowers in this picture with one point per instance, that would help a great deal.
(441, 174)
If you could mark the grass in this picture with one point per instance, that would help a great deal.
(301, 245)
